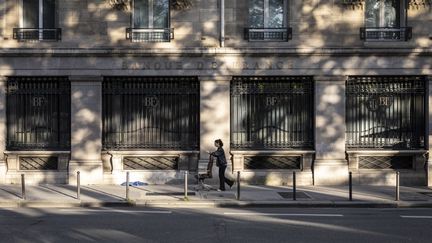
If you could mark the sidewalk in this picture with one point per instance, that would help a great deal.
(251, 196)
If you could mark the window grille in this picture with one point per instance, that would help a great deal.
(272, 112)
(386, 112)
(38, 113)
(150, 113)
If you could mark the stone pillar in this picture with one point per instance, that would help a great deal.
(86, 129)
(330, 165)
(214, 116)
(3, 133)
(429, 128)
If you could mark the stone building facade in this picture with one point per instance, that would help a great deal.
(318, 87)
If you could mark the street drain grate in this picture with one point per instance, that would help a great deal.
(289, 195)
(169, 193)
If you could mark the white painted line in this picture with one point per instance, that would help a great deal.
(416, 217)
(116, 211)
(139, 211)
(285, 214)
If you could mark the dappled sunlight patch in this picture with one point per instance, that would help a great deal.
(86, 116)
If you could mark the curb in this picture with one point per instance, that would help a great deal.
(53, 204)
(9, 204)
(217, 204)
(290, 204)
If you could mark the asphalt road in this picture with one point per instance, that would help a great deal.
(215, 225)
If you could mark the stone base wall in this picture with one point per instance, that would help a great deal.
(37, 177)
(274, 177)
(13, 171)
(387, 176)
(115, 173)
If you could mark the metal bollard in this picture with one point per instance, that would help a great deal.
(23, 193)
(238, 185)
(397, 186)
(78, 186)
(186, 185)
(127, 186)
(350, 185)
(294, 186)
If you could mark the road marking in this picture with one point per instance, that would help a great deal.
(416, 217)
(285, 214)
(115, 211)
(139, 211)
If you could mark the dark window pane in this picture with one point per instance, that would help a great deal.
(160, 13)
(30, 13)
(49, 12)
(141, 14)
(276, 14)
(382, 13)
(256, 14)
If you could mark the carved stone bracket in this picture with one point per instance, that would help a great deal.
(119, 4)
(419, 3)
(411, 3)
(181, 4)
(355, 4)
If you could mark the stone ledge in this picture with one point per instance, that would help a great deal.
(119, 52)
(150, 153)
(85, 78)
(387, 152)
(273, 152)
(31, 152)
(217, 78)
(325, 79)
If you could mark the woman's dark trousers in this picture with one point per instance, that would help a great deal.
(222, 179)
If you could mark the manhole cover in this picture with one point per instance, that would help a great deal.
(169, 193)
(289, 195)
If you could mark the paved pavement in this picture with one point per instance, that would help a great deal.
(250, 196)
(215, 225)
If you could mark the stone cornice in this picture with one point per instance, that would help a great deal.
(198, 52)
(85, 78)
(218, 78)
(331, 78)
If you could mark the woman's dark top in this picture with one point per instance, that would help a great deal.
(220, 157)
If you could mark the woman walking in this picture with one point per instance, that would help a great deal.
(222, 164)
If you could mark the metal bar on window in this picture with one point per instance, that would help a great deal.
(271, 112)
(385, 112)
(33, 115)
(158, 113)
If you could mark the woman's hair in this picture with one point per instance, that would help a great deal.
(219, 142)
